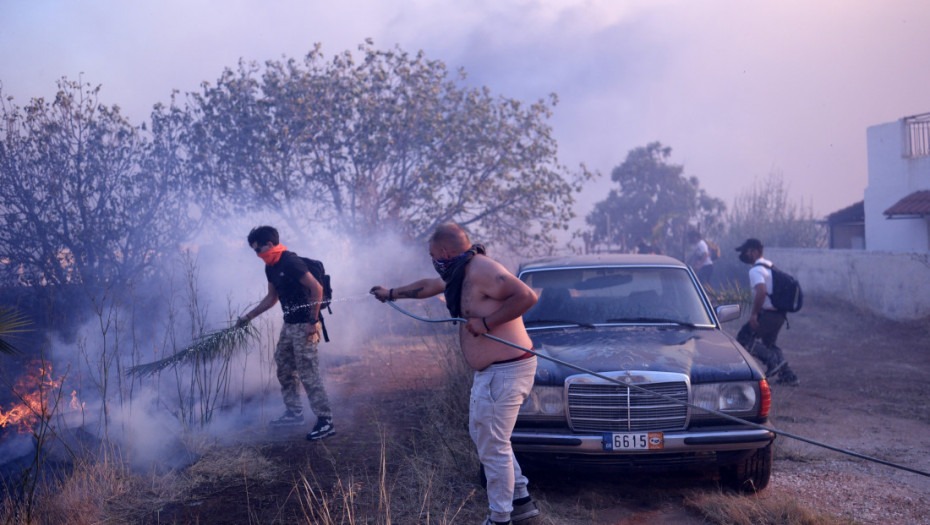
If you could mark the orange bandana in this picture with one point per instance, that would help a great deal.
(272, 255)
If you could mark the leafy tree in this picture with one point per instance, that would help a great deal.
(85, 197)
(387, 141)
(654, 203)
(766, 211)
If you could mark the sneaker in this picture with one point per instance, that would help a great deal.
(775, 369)
(788, 380)
(323, 428)
(289, 419)
(524, 512)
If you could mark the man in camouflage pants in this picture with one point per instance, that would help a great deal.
(295, 356)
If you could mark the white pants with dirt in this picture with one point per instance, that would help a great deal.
(497, 393)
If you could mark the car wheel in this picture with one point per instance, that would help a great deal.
(750, 474)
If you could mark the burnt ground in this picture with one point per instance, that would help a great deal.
(865, 382)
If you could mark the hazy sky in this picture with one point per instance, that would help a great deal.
(737, 89)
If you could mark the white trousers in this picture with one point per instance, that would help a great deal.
(496, 396)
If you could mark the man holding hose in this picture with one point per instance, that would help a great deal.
(492, 301)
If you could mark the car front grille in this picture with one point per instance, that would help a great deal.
(596, 405)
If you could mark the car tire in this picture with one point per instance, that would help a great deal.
(750, 474)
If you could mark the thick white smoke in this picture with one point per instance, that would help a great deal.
(161, 421)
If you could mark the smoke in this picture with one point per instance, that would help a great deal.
(164, 421)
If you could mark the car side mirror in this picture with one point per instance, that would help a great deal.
(728, 312)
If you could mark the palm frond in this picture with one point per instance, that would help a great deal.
(12, 323)
(221, 343)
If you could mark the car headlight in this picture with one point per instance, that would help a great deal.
(544, 401)
(736, 398)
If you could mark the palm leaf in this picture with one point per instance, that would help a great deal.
(221, 343)
(12, 323)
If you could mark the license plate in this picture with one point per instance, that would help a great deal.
(634, 441)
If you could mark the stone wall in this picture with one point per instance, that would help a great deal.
(894, 285)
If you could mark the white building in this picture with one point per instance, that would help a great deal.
(897, 199)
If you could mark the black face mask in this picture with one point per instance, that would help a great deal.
(445, 267)
(744, 257)
(452, 272)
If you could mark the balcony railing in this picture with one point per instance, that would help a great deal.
(917, 136)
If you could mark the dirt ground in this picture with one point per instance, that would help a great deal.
(864, 386)
(865, 382)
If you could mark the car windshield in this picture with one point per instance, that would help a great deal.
(615, 295)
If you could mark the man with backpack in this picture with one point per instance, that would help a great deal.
(759, 334)
(301, 294)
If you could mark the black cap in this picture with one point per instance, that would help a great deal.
(750, 244)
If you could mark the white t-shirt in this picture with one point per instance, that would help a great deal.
(700, 255)
(760, 273)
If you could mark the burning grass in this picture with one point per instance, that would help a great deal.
(34, 393)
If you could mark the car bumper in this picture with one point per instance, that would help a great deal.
(674, 442)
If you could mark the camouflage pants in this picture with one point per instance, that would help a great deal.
(298, 363)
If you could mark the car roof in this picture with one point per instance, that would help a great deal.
(598, 259)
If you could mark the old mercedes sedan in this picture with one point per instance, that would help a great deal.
(635, 372)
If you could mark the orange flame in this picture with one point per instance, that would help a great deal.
(33, 389)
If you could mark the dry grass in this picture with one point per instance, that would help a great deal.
(93, 491)
(729, 293)
(232, 465)
(429, 476)
(340, 505)
(425, 476)
(771, 509)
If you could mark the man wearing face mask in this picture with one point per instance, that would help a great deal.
(295, 356)
(492, 300)
(764, 320)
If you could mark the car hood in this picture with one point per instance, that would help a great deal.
(705, 355)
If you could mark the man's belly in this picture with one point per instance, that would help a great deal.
(481, 352)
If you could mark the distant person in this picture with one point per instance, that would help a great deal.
(295, 355)
(645, 247)
(698, 257)
(764, 320)
(492, 300)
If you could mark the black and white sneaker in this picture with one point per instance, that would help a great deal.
(323, 428)
(775, 369)
(524, 511)
(787, 378)
(289, 419)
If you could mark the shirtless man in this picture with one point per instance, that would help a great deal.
(492, 300)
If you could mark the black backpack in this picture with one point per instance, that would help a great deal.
(786, 293)
(319, 273)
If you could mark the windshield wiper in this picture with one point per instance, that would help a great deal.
(652, 320)
(558, 321)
